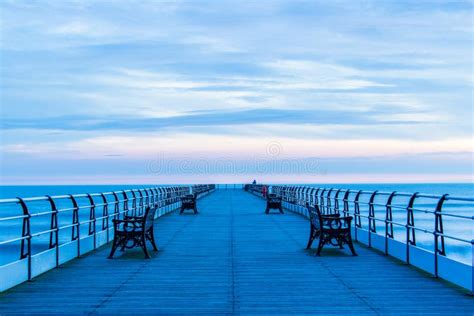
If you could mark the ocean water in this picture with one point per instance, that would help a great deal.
(455, 189)
(453, 226)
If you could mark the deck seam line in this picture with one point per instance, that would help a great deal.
(337, 277)
(141, 267)
(334, 275)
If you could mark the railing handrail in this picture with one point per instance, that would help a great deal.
(349, 202)
(96, 215)
(298, 194)
(159, 195)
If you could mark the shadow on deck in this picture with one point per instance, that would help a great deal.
(234, 259)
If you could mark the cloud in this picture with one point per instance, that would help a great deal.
(217, 118)
(81, 75)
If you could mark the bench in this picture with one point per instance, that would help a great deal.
(134, 231)
(329, 229)
(188, 202)
(273, 202)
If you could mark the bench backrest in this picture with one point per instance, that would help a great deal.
(149, 217)
(315, 216)
(273, 199)
(188, 199)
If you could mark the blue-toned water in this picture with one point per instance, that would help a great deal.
(453, 226)
(455, 189)
(11, 191)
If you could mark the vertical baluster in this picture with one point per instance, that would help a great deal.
(328, 202)
(26, 235)
(346, 203)
(134, 203)
(116, 205)
(439, 233)
(357, 221)
(153, 196)
(316, 197)
(157, 197)
(321, 201)
(105, 216)
(140, 203)
(147, 198)
(336, 202)
(76, 228)
(54, 232)
(410, 226)
(372, 227)
(92, 220)
(125, 203)
(389, 220)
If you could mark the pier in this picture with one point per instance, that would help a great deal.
(233, 259)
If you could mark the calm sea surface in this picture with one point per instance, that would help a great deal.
(453, 226)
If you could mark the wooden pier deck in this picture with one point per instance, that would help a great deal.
(233, 259)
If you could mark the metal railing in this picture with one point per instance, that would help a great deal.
(384, 214)
(35, 225)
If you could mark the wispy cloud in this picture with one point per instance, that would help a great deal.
(221, 118)
(79, 75)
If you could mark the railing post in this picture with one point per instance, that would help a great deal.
(125, 202)
(160, 201)
(76, 231)
(156, 194)
(410, 226)
(116, 205)
(134, 203)
(372, 228)
(26, 234)
(140, 203)
(328, 201)
(54, 232)
(92, 220)
(336, 202)
(151, 198)
(147, 198)
(439, 233)
(389, 220)
(357, 220)
(321, 201)
(105, 216)
(346, 203)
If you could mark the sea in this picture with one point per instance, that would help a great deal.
(454, 226)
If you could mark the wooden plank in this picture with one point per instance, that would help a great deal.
(234, 259)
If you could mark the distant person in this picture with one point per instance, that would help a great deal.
(264, 191)
(254, 182)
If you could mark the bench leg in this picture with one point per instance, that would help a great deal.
(310, 242)
(351, 247)
(143, 244)
(281, 210)
(151, 237)
(267, 210)
(195, 210)
(311, 238)
(320, 245)
(114, 247)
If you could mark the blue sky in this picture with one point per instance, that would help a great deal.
(228, 91)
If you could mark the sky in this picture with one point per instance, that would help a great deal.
(141, 92)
